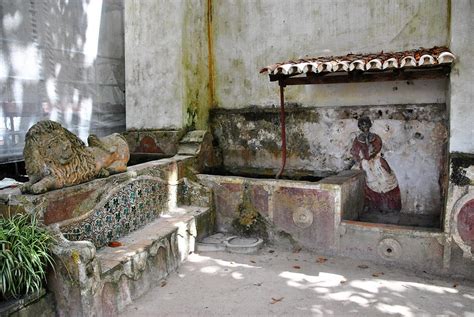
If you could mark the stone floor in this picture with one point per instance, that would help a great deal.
(278, 282)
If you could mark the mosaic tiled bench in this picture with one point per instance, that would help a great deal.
(101, 282)
(151, 212)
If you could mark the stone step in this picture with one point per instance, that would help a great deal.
(137, 246)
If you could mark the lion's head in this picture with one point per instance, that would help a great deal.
(51, 150)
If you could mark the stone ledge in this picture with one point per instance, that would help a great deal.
(146, 241)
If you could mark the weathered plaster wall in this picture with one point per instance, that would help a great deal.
(461, 84)
(197, 94)
(319, 139)
(153, 72)
(252, 34)
(166, 70)
(64, 61)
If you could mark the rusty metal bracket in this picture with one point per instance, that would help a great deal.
(283, 129)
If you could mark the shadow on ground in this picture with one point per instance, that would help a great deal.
(277, 282)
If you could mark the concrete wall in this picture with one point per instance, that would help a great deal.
(60, 60)
(215, 50)
(167, 63)
(249, 35)
(461, 85)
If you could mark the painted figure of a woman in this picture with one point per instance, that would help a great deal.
(381, 188)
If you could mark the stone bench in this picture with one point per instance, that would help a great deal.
(152, 212)
(153, 237)
(102, 282)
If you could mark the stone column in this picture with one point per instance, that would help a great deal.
(166, 72)
(153, 67)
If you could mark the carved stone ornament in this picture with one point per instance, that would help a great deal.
(56, 158)
(462, 223)
(389, 249)
(303, 218)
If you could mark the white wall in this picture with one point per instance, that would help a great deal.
(250, 34)
(166, 63)
(153, 72)
(461, 98)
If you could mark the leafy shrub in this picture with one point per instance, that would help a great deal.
(24, 255)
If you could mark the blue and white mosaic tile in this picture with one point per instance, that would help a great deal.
(131, 207)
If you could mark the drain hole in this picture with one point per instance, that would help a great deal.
(389, 250)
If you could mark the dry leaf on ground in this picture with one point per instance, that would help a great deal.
(363, 266)
(296, 267)
(114, 244)
(321, 259)
(276, 300)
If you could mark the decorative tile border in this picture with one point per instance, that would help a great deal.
(130, 207)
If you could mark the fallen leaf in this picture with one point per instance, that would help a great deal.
(377, 274)
(258, 284)
(321, 259)
(342, 282)
(363, 266)
(271, 251)
(114, 244)
(276, 300)
(251, 261)
(296, 250)
(455, 285)
(296, 267)
(163, 284)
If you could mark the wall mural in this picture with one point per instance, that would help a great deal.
(382, 192)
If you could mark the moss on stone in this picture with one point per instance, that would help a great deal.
(460, 161)
(249, 223)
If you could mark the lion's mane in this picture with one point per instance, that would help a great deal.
(41, 161)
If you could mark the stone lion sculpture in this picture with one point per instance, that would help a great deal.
(56, 158)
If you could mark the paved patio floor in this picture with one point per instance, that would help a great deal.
(282, 283)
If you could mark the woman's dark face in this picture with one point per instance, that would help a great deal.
(364, 125)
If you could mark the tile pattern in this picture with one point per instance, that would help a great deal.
(131, 207)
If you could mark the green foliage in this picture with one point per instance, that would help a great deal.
(24, 255)
(249, 223)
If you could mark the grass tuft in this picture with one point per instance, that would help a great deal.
(24, 255)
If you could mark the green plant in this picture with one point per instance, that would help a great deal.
(249, 222)
(24, 255)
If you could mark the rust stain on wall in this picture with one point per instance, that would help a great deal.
(210, 55)
(148, 145)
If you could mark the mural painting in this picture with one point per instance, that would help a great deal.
(382, 193)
